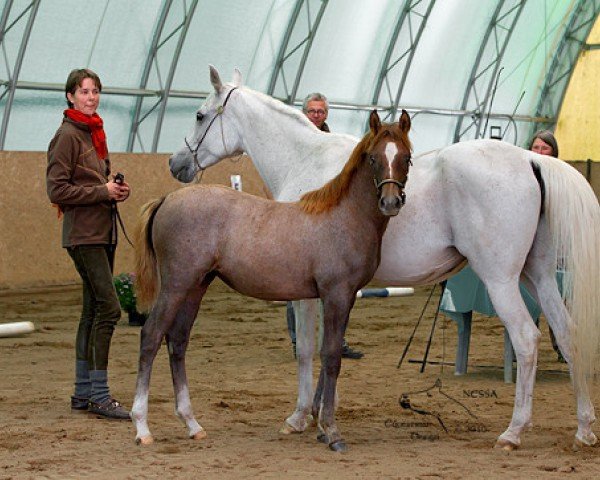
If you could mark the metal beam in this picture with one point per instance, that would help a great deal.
(150, 58)
(4, 18)
(175, 59)
(477, 97)
(287, 53)
(411, 12)
(200, 95)
(150, 101)
(565, 57)
(123, 91)
(12, 78)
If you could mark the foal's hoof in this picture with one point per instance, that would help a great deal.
(144, 440)
(338, 446)
(506, 445)
(201, 435)
(322, 437)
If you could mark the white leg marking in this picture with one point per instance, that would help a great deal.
(185, 414)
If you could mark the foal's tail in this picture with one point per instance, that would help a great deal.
(573, 216)
(146, 268)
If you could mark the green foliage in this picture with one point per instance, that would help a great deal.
(125, 287)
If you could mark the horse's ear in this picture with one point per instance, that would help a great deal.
(237, 78)
(404, 121)
(374, 122)
(215, 79)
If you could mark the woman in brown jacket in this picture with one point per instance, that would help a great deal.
(78, 183)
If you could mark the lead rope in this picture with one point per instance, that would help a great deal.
(118, 215)
(114, 231)
(198, 178)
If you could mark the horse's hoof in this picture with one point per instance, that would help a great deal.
(201, 435)
(579, 444)
(338, 446)
(506, 445)
(287, 429)
(144, 440)
(322, 437)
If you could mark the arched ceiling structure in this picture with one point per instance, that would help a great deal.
(462, 68)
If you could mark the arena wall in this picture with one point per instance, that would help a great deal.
(30, 232)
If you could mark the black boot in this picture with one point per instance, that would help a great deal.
(348, 352)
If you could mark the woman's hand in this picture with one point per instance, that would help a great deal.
(118, 191)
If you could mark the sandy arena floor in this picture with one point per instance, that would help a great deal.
(243, 385)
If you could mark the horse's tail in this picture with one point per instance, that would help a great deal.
(146, 268)
(573, 214)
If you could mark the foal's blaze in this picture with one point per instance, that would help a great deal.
(371, 148)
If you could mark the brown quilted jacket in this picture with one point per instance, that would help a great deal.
(76, 181)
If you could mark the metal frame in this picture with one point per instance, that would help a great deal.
(493, 45)
(563, 63)
(10, 85)
(135, 121)
(403, 59)
(287, 52)
(159, 39)
(292, 58)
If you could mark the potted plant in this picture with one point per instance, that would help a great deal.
(125, 287)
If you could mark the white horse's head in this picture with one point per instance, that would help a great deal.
(214, 135)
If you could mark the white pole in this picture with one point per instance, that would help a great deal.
(385, 292)
(16, 328)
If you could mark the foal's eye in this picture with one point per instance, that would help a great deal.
(199, 116)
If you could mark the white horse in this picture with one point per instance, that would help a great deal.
(511, 213)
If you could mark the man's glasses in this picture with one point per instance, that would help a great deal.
(312, 111)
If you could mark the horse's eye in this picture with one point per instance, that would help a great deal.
(371, 159)
(199, 116)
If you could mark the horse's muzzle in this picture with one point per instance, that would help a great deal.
(390, 205)
(182, 174)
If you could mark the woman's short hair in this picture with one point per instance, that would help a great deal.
(75, 79)
(547, 137)
(314, 97)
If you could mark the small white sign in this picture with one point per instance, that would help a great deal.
(236, 182)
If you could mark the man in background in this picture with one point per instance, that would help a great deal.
(316, 109)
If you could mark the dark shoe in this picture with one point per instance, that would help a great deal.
(109, 409)
(348, 352)
(79, 404)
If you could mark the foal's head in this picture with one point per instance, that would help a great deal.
(387, 148)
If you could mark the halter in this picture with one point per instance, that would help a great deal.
(400, 185)
(220, 110)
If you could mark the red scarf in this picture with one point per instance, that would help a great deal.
(96, 127)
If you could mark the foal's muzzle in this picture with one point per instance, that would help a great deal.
(391, 199)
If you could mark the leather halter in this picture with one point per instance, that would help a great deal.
(220, 110)
(400, 185)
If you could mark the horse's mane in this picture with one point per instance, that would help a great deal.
(281, 107)
(330, 195)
